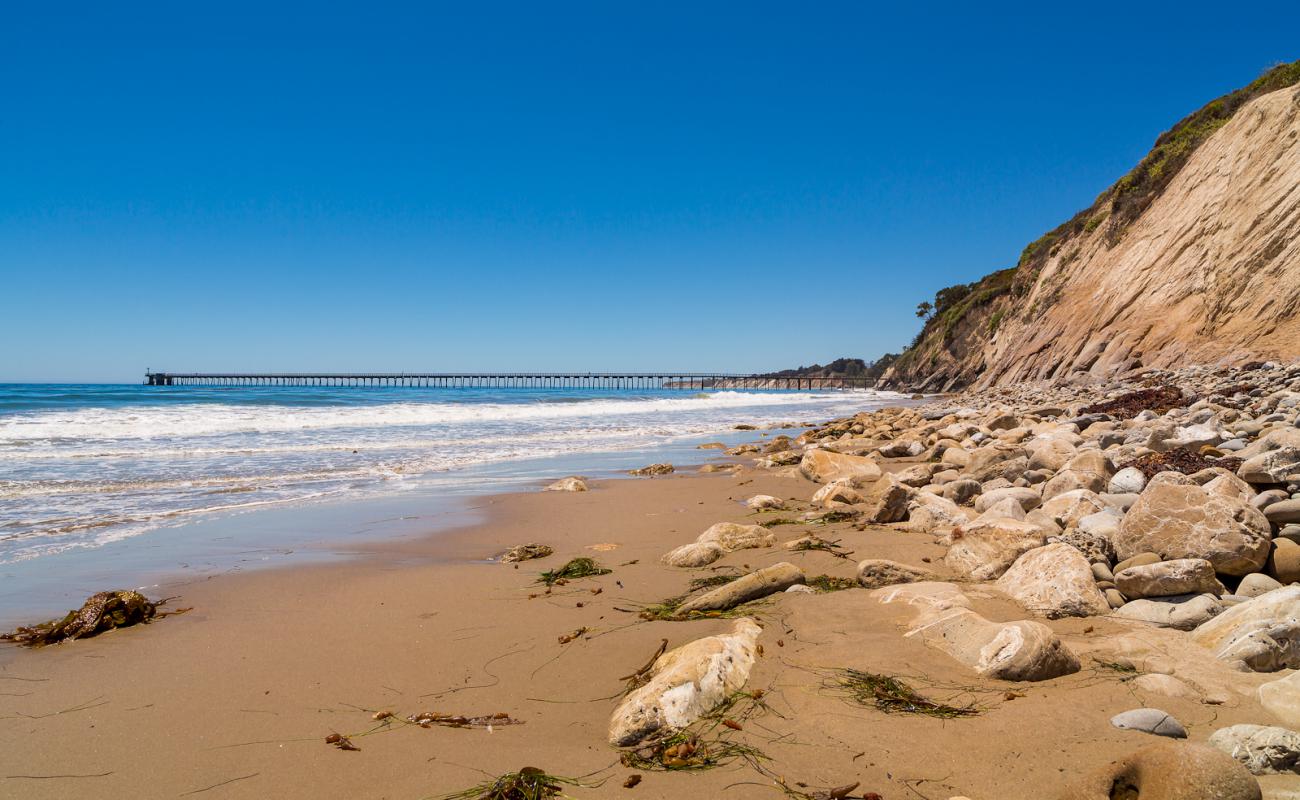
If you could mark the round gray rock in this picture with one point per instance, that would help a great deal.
(1150, 720)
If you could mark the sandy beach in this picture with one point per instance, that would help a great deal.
(235, 698)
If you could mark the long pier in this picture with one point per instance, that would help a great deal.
(509, 380)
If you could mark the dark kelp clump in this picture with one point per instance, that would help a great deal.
(1180, 459)
(529, 783)
(893, 696)
(101, 612)
(577, 568)
(1128, 406)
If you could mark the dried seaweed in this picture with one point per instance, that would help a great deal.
(101, 612)
(814, 542)
(1180, 459)
(529, 783)
(581, 567)
(893, 696)
(428, 719)
(712, 582)
(772, 523)
(830, 583)
(1128, 406)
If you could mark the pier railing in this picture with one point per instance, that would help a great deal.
(511, 380)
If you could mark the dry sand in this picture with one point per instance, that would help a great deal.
(235, 698)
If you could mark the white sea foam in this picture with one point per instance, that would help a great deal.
(90, 474)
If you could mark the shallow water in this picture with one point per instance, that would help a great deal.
(97, 481)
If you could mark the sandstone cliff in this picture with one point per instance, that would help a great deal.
(1193, 257)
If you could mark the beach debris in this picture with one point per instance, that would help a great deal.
(893, 696)
(526, 552)
(581, 567)
(757, 584)
(632, 781)
(653, 469)
(830, 583)
(101, 612)
(529, 783)
(577, 634)
(814, 542)
(638, 678)
(428, 719)
(341, 742)
(380, 716)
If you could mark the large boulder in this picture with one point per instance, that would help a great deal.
(1275, 466)
(1167, 578)
(1186, 521)
(686, 683)
(757, 584)
(1281, 698)
(837, 494)
(1089, 469)
(1261, 749)
(886, 500)
(1182, 612)
(1051, 453)
(1069, 508)
(823, 466)
(1026, 497)
(1011, 651)
(1055, 581)
(1168, 771)
(930, 512)
(1262, 634)
(982, 551)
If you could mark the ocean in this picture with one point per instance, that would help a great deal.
(85, 467)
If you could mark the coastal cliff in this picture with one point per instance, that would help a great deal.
(1192, 257)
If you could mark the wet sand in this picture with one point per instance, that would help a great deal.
(235, 698)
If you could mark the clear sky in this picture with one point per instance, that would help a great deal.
(605, 185)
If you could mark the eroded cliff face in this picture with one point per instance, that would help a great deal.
(1209, 270)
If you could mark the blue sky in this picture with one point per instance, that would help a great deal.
(377, 186)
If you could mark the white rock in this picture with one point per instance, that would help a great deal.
(686, 683)
(1129, 480)
(1262, 634)
(570, 484)
(1055, 581)
(1150, 720)
(1262, 750)
(761, 502)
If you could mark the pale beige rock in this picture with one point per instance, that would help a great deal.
(837, 494)
(1069, 508)
(732, 536)
(759, 583)
(686, 683)
(822, 466)
(1011, 651)
(926, 598)
(874, 573)
(1176, 521)
(695, 554)
(1262, 633)
(1182, 612)
(1168, 771)
(1051, 453)
(1165, 685)
(1055, 581)
(763, 502)
(570, 484)
(1166, 578)
(886, 500)
(1264, 750)
(1027, 498)
(1281, 698)
(982, 551)
(928, 512)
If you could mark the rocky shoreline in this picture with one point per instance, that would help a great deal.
(1061, 592)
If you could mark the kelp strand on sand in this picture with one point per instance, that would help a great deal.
(577, 568)
(101, 612)
(529, 783)
(428, 719)
(893, 696)
(772, 523)
(712, 581)
(817, 543)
